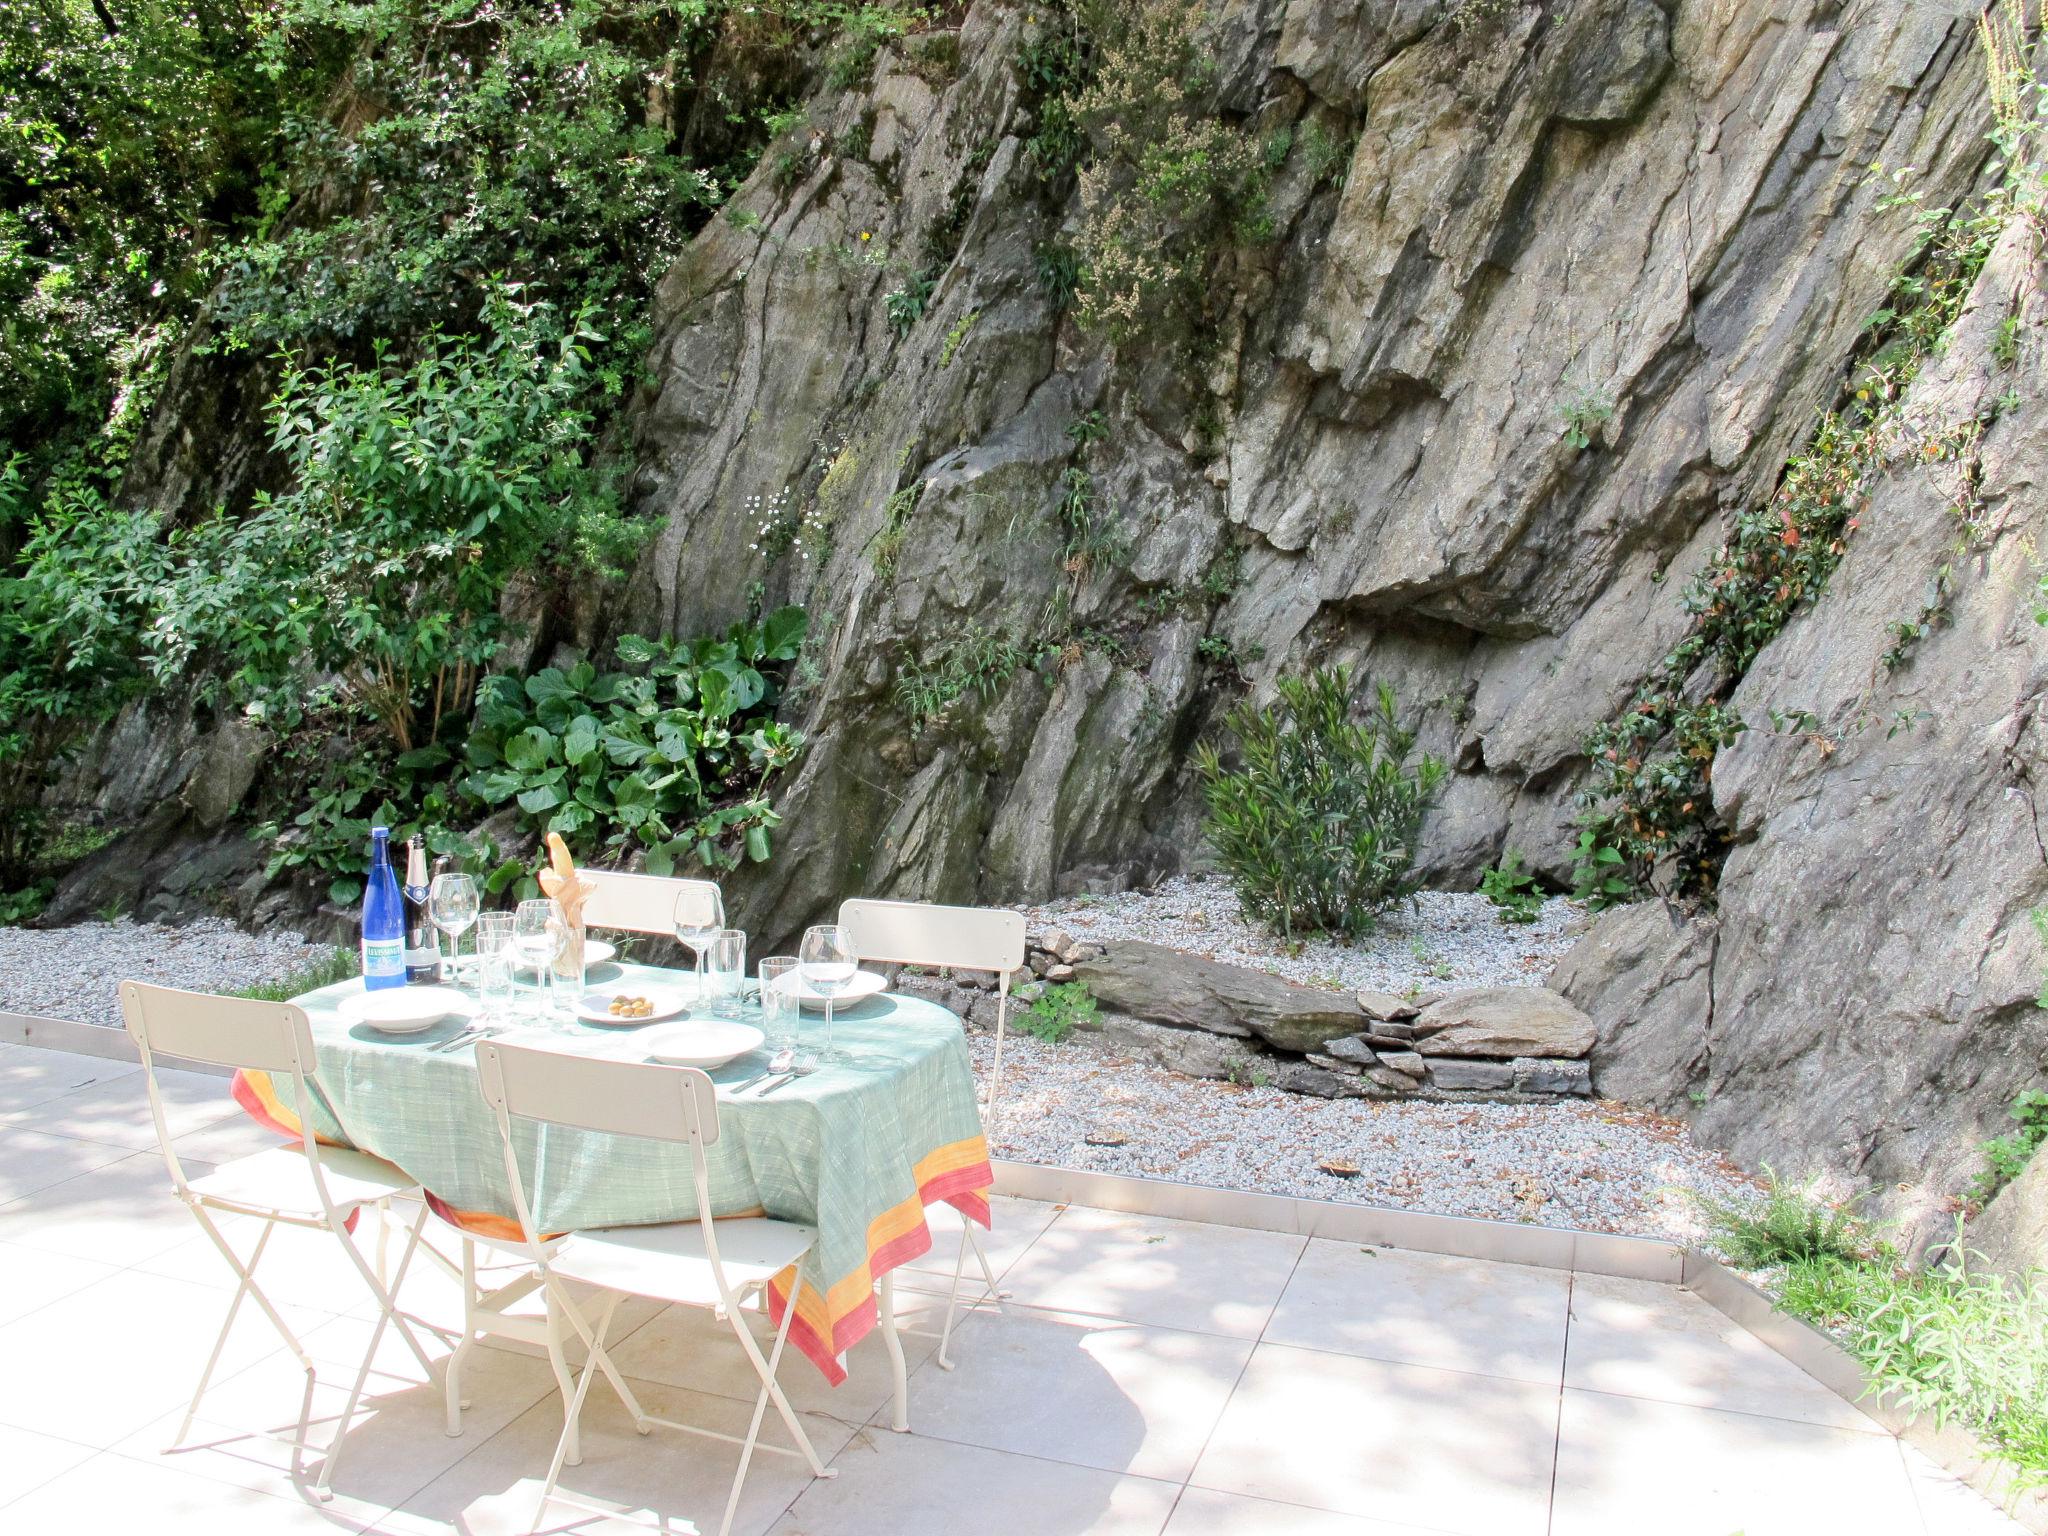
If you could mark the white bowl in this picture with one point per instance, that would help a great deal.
(705, 1043)
(595, 1005)
(865, 984)
(405, 1010)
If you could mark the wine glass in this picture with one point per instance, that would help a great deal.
(826, 962)
(538, 936)
(699, 918)
(452, 903)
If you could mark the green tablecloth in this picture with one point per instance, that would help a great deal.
(857, 1148)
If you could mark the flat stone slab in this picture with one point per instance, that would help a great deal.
(1150, 981)
(1502, 1023)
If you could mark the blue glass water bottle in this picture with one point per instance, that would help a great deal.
(383, 918)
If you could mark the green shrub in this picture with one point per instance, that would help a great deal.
(1062, 1008)
(1513, 890)
(1785, 1226)
(673, 758)
(417, 491)
(1317, 826)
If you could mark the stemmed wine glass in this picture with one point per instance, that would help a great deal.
(452, 903)
(538, 935)
(698, 919)
(826, 962)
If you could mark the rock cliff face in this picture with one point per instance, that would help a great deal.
(1865, 1002)
(1662, 213)
(1650, 221)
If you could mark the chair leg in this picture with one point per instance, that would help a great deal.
(597, 1356)
(567, 1448)
(452, 1387)
(387, 1315)
(572, 1443)
(247, 1286)
(770, 1392)
(899, 1371)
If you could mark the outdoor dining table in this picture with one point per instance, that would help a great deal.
(885, 1126)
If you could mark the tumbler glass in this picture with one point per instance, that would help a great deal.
(779, 1010)
(725, 972)
(494, 963)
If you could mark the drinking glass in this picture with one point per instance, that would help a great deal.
(725, 971)
(779, 1010)
(699, 917)
(538, 935)
(827, 962)
(494, 960)
(452, 903)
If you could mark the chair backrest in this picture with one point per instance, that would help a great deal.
(240, 1032)
(220, 1031)
(624, 1098)
(637, 903)
(921, 933)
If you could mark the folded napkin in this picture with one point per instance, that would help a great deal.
(569, 891)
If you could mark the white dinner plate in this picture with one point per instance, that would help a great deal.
(595, 1005)
(705, 1043)
(865, 984)
(405, 1010)
(597, 952)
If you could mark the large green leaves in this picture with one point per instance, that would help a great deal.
(671, 757)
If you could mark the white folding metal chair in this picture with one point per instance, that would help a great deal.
(637, 903)
(719, 1264)
(949, 938)
(625, 903)
(304, 1186)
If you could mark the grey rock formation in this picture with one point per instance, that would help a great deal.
(1643, 974)
(2011, 1233)
(1503, 1022)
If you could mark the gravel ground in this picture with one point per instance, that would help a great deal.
(1595, 1166)
(1442, 939)
(71, 973)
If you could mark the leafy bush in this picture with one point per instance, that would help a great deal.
(1062, 1008)
(1785, 1226)
(1513, 890)
(1599, 874)
(672, 758)
(2006, 1157)
(1317, 826)
(473, 461)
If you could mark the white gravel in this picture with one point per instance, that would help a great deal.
(1441, 939)
(1596, 1166)
(72, 973)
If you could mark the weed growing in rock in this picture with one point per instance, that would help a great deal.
(1062, 1008)
(1316, 825)
(2006, 1157)
(976, 662)
(1513, 890)
(1585, 412)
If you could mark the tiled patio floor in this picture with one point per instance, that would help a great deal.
(1150, 1378)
